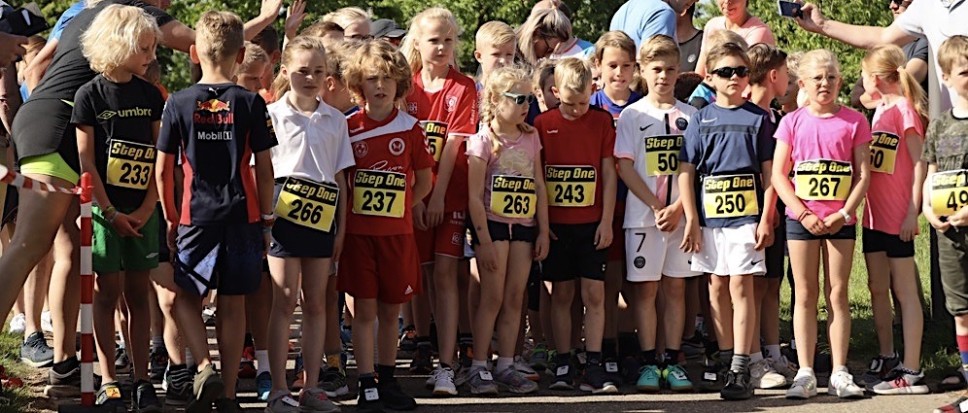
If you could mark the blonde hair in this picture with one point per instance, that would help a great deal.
(219, 36)
(409, 46)
(321, 28)
(573, 74)
(952, 51)
(377, 57)
(253, 54)
(494, 32)
(543, 24)
(657, 47)
(114, 34)
(793, 64)
(816, 59)
(499, 82)
(887, 63)
(616, 39)
(544, 70)
(301, 43)
(346, 16)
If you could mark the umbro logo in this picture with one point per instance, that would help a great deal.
(108, 114)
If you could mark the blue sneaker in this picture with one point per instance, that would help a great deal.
(263, 385)
(677, 378)
(649, 377)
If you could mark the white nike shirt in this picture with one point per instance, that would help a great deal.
(637, 123)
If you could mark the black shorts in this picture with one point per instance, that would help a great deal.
(10, 205)
(877, 241)
(223, 257)
(534, 288)
(43, 126)
(776, 253)
(796, 232)
(500, 231)
(573, 255)
(291, 240)
(953, 265)
(164, 254)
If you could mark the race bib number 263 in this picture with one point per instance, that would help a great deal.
(513, 196)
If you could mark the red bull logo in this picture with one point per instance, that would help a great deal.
(213, 105)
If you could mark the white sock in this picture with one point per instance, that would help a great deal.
(773, 351)
(189, 360)
(479, 363)
(805, 371)
(756, 357)
(261, 361)
(838, 369)
(503, 363)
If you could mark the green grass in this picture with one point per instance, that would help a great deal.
(10, 359)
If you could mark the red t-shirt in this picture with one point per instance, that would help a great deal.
(387, 154)
(453, 109)
(572, 157)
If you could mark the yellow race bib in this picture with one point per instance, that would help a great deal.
(513, 196)
(307, 203)
(949, 191)
(379, 193)
(662, 154)
(130, 164)
(884, 152)
(729, 196)
(571, 186)
(436, 137)
(822, 180)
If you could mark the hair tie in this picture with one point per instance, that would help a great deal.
(900, 69)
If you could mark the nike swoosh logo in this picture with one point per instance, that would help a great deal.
(755, 263)
(643, 129)
(708, 120)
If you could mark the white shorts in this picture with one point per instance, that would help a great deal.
(650, 254)
(730, 251)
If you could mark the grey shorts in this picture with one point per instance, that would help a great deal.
(953, 263)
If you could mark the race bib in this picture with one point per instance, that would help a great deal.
(379, 193)
(130, 164)
(949, 191)
(884, 152)
(571, 186)
(513, 196)
(729, 196)
(307, 203)
(822, 180)
(436, 137)
(662, 154)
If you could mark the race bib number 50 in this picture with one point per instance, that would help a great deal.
(884, 152)
(570, 186)
(729, 196)
(513, 196)
(662, 154)
(949, 192)
(130, 164)
(379, 193)
(307, 203)
(823, 180)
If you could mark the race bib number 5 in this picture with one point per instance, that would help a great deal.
(949, 192)
(729, 196)
(436, 136)
(662, 154)
(379, 193)
(130, 164)
(822, 180)
(307, 203)
(513, 196)
(571, 186)
(884, 152)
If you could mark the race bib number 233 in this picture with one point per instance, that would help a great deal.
(130, 164)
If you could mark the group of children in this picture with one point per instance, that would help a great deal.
(529, 189)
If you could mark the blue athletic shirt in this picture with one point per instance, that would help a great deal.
(217, 128)
(601, 100)
(728, 141)
(65, 19)
(642, 19)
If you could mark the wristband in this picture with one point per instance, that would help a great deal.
(845, 215)
(268, 217)
(804, 215)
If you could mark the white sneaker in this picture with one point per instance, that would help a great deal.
(45, 323)
(804, 387)
(525, 369)
(842, 385)
(786, 368)
(432, 380)
(444, 382)
(18, 324)
(763, 376)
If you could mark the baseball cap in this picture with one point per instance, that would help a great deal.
(387, 28)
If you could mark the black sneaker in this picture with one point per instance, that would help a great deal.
(564, 377)
(613, 371)
(144, 399)
(207, 387)
(713, 377)
(224, 405)
(629, 369)
(122, 364)
(109, 397)
(422, 360)
(737, 387)
(158, 364)
(394, 398)
(64, 385)
(596, 381)
(178, 386)
(35, 352)
(369, 401)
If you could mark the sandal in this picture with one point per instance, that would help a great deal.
(952, 382)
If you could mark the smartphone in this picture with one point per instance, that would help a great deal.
(789, 8)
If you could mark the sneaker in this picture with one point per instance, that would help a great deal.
(263, 385)
(314, 400)
(539, 357)
(109, 395)
(144, 399)
(842, 385)
(902, 381)
(465, 355)
(422, 361)
(737, 387)
(297, 373)
(693, 347)
(225, 405)
(648, 380)
(178, 386)
(247, 364)
(444, 382)
(64, 385)
(394, 398)
(713, 377)
(207, 387)
(958, 406)
(46, 323)
(122, 364)
(333, 382)
(515, 382)
(629, 368)
(35, 352)
(158, 363)
(803, 387)
(763, 376)
(369, 401)
(408, 340)
(879, 368)
(282, 404)
(208, 316)
(481, 381)
(785, 367)
(596, 381)
(613, 371)
(525, 369)
(564, 378)
(677, 378)
(18, 324)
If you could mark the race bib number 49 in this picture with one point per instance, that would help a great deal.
(379, 193)
(729, 196)
(436, 136)
(130, 164)
(822, 180)
(570, 186)
(513, 196)
(662, 154)
(949, 192)
(884, 152)
(307, 203)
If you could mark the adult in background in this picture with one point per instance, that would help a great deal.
(548, 33)
(737, 19)
(642, 19)
(11, 47)
(690, 40)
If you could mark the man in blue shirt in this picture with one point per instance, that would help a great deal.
(642, 19)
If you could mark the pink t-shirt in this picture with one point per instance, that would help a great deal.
(813, 138)
(889, 194)
(515, 158)
(753, 31)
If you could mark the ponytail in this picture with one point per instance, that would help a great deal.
(913, 92)
(887, 62)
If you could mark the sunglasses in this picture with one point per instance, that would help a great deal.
(727, 72)
(519, 99)
(899, 3)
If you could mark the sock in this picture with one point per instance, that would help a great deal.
(594, 358)
(671, 356)
(367, 381)
(503, 363)
(189, 360)
(465, 338)
(608, 348)
(334, 361)
(648, 357)
(963, 349)
(247, 342)
(804, 371)
(65, 366)
(176, 367)
(157, 342)
(479, 363)
(755, 357)
(423, 340)
(725, 357)
(627, 345)
(839, 369)
(773, 351)
(261, 361)
(711, 348)
(563, 359)
(385, 373)
(793, 343)
(741, 362)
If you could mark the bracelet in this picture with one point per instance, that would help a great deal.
(804, 215)
(846, 216)
(267, 217)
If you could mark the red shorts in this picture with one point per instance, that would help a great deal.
(382, 267)
(616, 252)
(446, 239)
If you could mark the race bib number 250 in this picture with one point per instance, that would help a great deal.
(729, 196)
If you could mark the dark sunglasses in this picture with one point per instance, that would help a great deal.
(727, 72)
(519, 98)
(899, 3)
